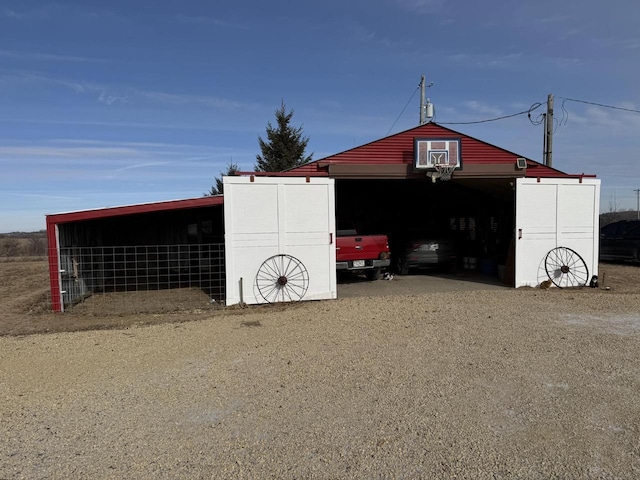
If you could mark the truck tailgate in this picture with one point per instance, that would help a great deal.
(361, 247)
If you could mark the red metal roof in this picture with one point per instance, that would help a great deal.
(398, 149)
(208, 201)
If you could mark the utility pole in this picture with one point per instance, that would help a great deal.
(544, 139)
(637, 190)
(426, 107)
(548, 134)
(423, 103)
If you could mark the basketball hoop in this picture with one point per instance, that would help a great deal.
(443, 171)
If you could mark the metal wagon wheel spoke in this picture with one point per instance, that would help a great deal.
(566, 268)
(282, 278)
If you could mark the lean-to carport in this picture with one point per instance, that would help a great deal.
(153, 246)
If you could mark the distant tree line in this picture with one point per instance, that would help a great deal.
(23, 244)
(615, 216)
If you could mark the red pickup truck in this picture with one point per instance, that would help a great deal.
(366, 254)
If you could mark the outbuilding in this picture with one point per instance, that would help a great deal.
(510, 216)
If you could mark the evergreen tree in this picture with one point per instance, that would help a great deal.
(285, 145)
(216, 189)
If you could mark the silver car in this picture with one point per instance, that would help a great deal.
(425, 251)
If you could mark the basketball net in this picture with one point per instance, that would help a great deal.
(443, 171)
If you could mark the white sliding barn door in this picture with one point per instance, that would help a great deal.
(279, 239)
(550, 213)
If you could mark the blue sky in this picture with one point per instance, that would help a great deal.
(121, 102)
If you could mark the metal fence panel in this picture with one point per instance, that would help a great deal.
(89, 271)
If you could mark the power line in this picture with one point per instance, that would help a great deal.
(541, 116)
(405, 107)
(601, 105)
(538, 121)
(528, 112)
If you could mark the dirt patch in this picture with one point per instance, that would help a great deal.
(26, 304)
(620, 277)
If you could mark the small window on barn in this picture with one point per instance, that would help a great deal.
(192, 230)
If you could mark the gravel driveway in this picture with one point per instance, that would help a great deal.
(477, 384)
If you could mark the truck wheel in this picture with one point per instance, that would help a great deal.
(403, 268)
(373, 274)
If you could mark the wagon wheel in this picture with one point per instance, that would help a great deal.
(282, 278)
(566, 268)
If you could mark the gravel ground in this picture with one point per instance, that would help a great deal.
(480, 384)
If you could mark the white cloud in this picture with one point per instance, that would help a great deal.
(136, 166)
(505, 59)
(37, 196)
(75, 141)
(88, 153)
(187, 99)
(110, 99)
(11, 13)
(48, 57)
(112, 94)
(47, 151)
(38, 13)
(483, 108)
(186, 125)
(551, 19)
(58, 10)
(614, 122)
(420, 6)
(19, 78)
(204, 20)
(512, 61)
(564, 62)
(485, 60)
(363, 34)
(630, 43)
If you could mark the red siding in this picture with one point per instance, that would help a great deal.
(54, 268)
(398, 149)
